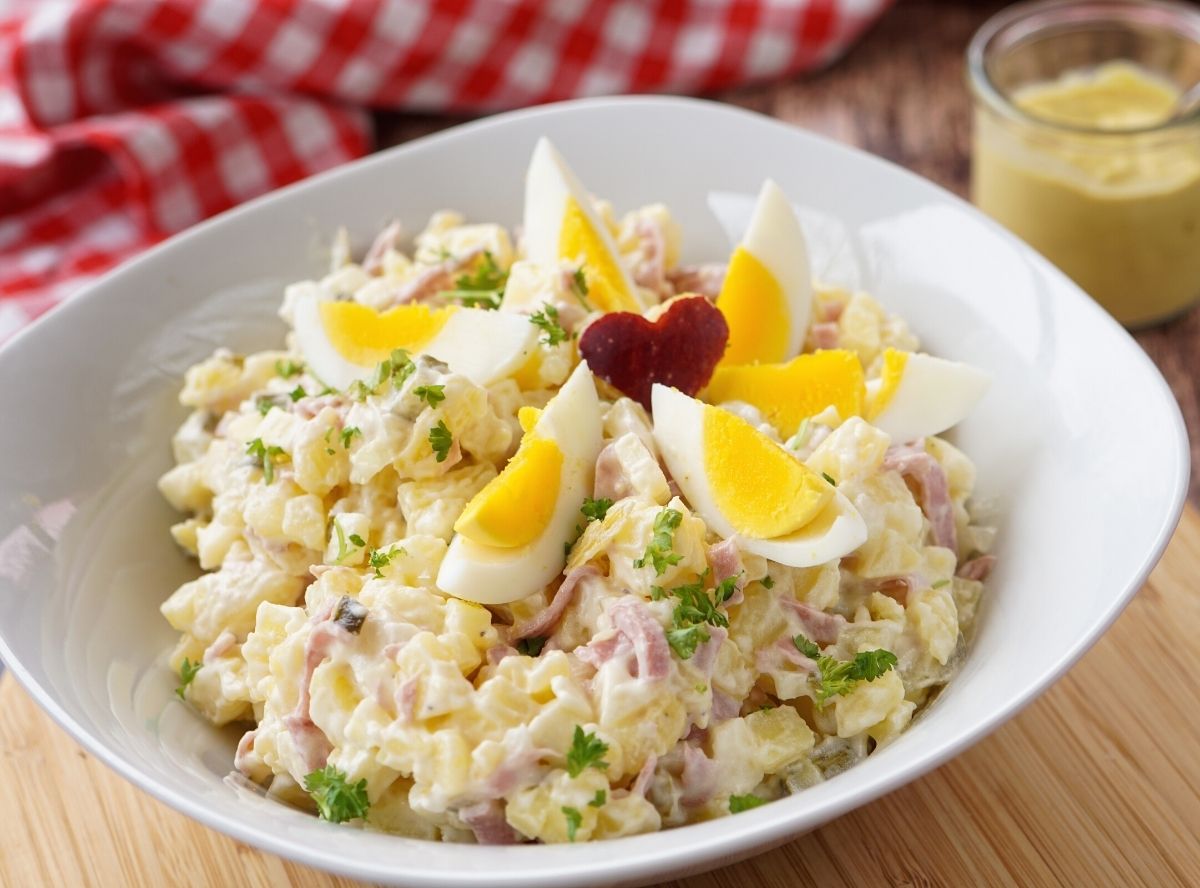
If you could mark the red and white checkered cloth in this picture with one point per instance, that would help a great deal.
(124, 121)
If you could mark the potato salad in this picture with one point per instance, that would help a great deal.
(544, 536)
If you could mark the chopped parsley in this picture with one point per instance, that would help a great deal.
(266, 457)
(337, 799)
(740, 803)
(939, 584)
(828, 477)
(381, 558)
(595, 509)
(348, 435)
(265, 403)
(599, 799)
(297, 393)
(839, 677)
(345, 549)
(580, 286)
(394, 369)
(767, 582)
(187, 671)
(531, 647)
(587, 751)
(288, 368)
(696, 607)
(431, 394)
(441, 440)
(799, 439)
(483, 287)
(574, 821)
(685, 640)
(546, 320)
(658, 552)
(724, 590)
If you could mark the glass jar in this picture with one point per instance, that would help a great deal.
(1080, 149)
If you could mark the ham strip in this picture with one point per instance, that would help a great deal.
(642, 782)
(703, 280)
(406, 701)
(486, 820)
(431, 281)
(498, 652)
(599, 651)
(726, 561)
(633, 619)
(825, 334)
(975, 569)
(818, 626)
(917, 467)
(241, 759)
(705, 657)
(388, 239)
(699, 777)
(219, 647)
(310, 741)
(724, 706)
(545, 621)
(611, 481)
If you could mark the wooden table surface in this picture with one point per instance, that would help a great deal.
(1073, 791)
(901, 94)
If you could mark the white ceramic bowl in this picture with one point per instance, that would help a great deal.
(1079, 444)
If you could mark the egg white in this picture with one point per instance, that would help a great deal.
(933, 395)
(483, 346)
(679, 433)
(776, 239)
(549, 184)
(493, 575)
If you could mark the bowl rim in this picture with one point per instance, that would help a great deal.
(753, 830)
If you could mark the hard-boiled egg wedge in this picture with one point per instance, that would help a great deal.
(742, 483)
(787, 394)
(560, 223)
(767, 294)
(918, 395)
(509, 539)
(344, 341)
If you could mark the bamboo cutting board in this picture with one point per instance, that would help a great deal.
(1097, 783)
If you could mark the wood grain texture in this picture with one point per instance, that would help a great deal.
(1096, 783)
(901, 93)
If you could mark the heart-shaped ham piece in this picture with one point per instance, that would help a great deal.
(680, 348)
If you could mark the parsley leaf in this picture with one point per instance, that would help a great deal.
(806, 647)
(187, 671)
(381, 558)
(839, 677)
(546, 320)
(696, 607)
(531, 647)
(266, 457)
(828, 477)
(394, 369)
(595, 509)
(767, 582)
(297, 393)
(344, 549)
(483, 287)
(740, 803)
(348, 434)
(288, 368)
(587, 751)
(683, 641)
(431, 394)
(440, 440)
(264, 404)
(337, 799)
(724, 590)
(580, 286)
(599, 799)
(574, 821)
(658, 552)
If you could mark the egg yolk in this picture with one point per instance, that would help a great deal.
(527, 417)
(365, 337)
(787, 394)
(761, 489)
(514, 508)
(579, 241)
(756, 310)
(894, 363)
